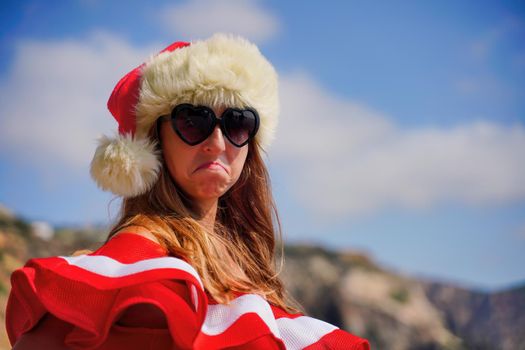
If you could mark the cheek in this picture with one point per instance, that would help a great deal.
(172, 167)
(178, 166)
(238, 163)
(176, 156)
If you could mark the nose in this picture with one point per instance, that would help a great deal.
(215, 143)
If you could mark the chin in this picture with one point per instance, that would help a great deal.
(210, 194)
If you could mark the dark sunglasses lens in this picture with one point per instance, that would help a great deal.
(240, 125)
(193, 124)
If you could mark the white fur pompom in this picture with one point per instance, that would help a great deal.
(125, 166)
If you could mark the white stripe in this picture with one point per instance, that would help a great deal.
(298, 333)
(220, 317)
(106, 266)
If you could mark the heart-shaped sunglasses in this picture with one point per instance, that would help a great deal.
(194, 124)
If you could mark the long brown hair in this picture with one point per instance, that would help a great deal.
(246, 233)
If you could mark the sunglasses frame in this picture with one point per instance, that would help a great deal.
(221, 121)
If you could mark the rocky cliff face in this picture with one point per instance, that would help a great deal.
(400, 312)
(484, 321)
(347, 289)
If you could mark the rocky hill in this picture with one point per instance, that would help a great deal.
(483, 320)
(400, 312)
(344, 288)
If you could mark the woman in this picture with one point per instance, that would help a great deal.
(190, 263)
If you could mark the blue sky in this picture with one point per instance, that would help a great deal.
(402, 131)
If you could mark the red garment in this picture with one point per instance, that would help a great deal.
(92, 291)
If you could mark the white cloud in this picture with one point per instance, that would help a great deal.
(344, 157)
(53, 100)
(201, 18)
(347, 159)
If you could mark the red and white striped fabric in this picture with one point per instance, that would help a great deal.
(92, 291)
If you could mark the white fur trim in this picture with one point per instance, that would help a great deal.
(221, 71)
(125, 165)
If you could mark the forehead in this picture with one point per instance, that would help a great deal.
(219, 110)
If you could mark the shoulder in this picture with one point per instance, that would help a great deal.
(92, 291)
(139, 231)
(132, 244)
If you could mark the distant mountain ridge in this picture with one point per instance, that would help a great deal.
(347, 289)
(399, 312)
(485, 320)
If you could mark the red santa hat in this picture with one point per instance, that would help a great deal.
(223, 70)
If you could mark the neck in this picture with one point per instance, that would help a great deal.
(207, 213)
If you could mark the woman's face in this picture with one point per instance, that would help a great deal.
(204, 171)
